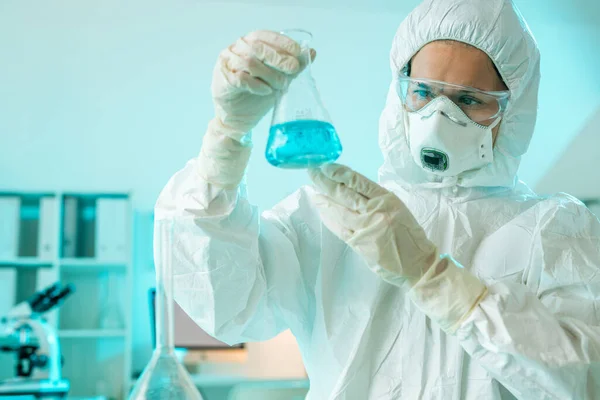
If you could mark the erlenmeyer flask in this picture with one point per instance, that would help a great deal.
(164, 378)
(111, 316)
(301, 134)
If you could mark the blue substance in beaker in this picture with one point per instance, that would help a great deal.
(302, 144)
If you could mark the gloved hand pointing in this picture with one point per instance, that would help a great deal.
(375, 223)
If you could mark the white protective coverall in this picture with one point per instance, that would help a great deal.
(246, 276)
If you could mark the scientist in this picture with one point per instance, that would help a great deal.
(449, 279)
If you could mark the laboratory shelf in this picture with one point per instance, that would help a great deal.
(91, 264)
(26, 262)
(212, 380)
(91, 333)
(81, 238)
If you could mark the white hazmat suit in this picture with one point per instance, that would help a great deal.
(246, 276)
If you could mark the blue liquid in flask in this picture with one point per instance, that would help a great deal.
(302, 144)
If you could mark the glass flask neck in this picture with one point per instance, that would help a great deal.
(305, 63)
(164, 292)
(304, 39)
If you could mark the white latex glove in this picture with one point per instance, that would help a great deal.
(246, 80)
(375, 223)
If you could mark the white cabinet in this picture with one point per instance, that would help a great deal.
(83, 239)
(10, 209)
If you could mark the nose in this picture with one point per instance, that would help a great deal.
(445, 115)
(451, 118)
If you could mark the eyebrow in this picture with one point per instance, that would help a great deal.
(465, 92)
(458, 92)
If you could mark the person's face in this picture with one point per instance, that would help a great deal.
(457, 63)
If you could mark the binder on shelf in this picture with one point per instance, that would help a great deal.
(70, 225)
(111, 229)
(47, 228)
(10, 223)
(28, 230)
(8, 291)
(86, 231)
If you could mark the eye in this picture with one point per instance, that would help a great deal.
(469, 101)
(422, 93)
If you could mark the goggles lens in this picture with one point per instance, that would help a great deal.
(480, 106)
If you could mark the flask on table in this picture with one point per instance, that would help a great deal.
(164, 378)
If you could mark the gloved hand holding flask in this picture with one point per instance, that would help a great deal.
(247, 78)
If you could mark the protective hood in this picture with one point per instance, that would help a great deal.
(497, 28)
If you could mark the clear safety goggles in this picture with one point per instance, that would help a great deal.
(480, 106)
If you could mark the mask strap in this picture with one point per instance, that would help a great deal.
(495, 123)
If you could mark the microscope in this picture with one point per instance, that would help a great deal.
(26, 333)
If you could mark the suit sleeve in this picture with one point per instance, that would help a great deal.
(236, 273)
(540, 340)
